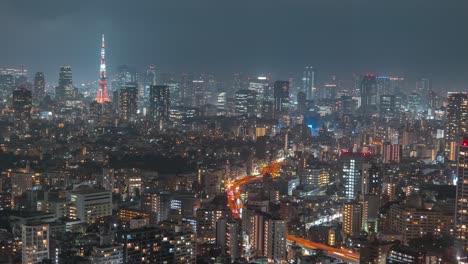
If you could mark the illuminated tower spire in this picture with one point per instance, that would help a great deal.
(103, 94)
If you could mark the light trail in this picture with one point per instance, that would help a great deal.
(236, 205)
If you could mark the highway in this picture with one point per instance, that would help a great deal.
(236, 205)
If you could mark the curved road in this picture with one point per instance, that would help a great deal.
(235, 203)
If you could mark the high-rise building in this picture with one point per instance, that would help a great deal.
(387, 105)
(392, 152)
(22, 104)
(126, 75)
(89, 205)
(351, 167)
(423, 87)
(352, 218)
(221, 103)
(368, 94)
(275, 240)
(198, 92)
(229, 237)
(461, 213)
(150, 78)
(102, 95)
(39, 86)
(281, 97)
(309, 83)
(266, 234)
(383, 85)
(159, 102)
(260, 86)
(245, 102)
(128, 102)
(35, 243)
(456, 124)
(65, 89)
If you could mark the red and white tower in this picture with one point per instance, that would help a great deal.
(103, 94)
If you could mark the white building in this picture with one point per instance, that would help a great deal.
(35, 240)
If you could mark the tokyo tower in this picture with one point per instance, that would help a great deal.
(103, 94)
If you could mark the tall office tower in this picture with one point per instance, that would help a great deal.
(221, 103)
(185, 89)
(22, 104)
(128, 102)
(372, 179)
(89, 205)
(259, 85)
(198, 92)
(102, 95)
(397, 84)
(35, 239)
(461, 213)
(39, 86)
(275, 240)
(387, 105)
(368, 94)
(309, 83)
(423, 87)
(456, 123)
(7, 82)
(150, 79)
(65, 89)
(301, 102)
(126, 75)
(392, 152)
(245, 102)
(281, 97)
(383, 86)
(159, 102)
(352, 218)
(351, 167)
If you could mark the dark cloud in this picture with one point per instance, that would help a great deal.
(416, 38)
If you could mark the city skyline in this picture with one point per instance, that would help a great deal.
(340, 39)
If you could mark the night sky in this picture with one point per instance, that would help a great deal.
(413, 38)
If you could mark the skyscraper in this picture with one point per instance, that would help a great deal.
(351, 165)
(368, 94)
(309, 84)
(461, 213)
(102, 95)
(159, 102)
(39, 86)
(456, 124)
(65, 89)
(281, 97)
(150, 78)
(246, 101)
(22, 103)
(128, 102)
